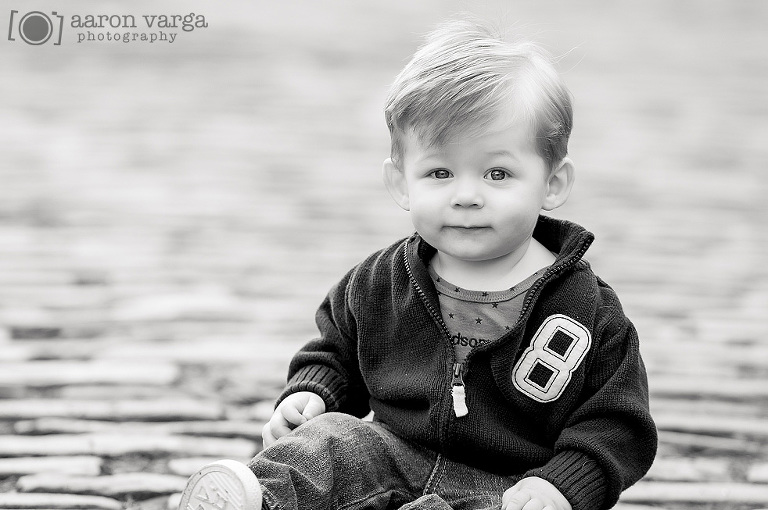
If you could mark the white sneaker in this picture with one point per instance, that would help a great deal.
(222, 485)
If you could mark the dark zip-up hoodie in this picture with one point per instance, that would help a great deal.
(562, 396)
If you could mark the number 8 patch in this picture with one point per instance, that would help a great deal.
(557, 349)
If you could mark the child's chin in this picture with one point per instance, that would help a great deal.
(473, 255)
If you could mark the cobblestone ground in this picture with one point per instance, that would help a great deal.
(172, 214)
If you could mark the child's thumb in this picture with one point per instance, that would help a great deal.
(314, 408)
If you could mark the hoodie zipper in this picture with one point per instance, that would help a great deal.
(457, 391)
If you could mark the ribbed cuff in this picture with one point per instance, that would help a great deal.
(577, 476)
(318, 379)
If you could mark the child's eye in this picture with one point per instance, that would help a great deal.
(498, 174)
(441, 173)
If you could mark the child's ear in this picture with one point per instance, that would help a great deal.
(559, 185)
(394, 179)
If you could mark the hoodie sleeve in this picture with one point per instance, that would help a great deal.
(610, 440)
(328, 365)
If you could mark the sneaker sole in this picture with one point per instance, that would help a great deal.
(222, 485)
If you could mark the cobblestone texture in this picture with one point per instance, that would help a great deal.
(172, 214)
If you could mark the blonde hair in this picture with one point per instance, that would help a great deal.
(463, 76)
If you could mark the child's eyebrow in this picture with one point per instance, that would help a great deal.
(431, 155)
(501, 152)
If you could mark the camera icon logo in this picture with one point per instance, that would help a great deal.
(36, 27)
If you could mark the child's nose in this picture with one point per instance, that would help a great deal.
(466, 194)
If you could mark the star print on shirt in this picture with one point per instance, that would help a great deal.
(450, 315)
(457, 289)
(495, 305)
(479, 320)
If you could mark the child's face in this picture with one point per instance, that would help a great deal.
(477, 198)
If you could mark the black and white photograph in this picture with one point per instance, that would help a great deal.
(384, 255)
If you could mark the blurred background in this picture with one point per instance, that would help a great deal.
(171, 214)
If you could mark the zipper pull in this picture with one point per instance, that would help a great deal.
(459, 400)
(458, 392)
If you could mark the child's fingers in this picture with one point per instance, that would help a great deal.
(279, 427)
(534, 504)
(507, 495)
(292, 415)
(314, 408)
(515, 499)
(266, 435)
(274, 429)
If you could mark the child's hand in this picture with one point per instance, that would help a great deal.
(534, 493)
(292, 412)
